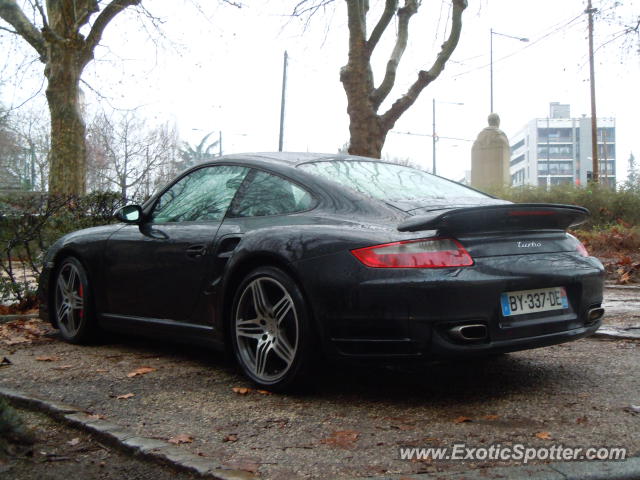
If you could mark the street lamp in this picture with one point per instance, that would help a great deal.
(492, 33)
(434, 137)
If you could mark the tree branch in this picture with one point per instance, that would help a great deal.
(389, 10)
(404, 15)
(9, 30)
(357, 27)
(42, 14)
(309, 7)
(11, 13)
(108, 14)
(82, 19)
(426, 77)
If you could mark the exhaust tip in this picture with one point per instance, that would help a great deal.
(469, 333)
(594, 314)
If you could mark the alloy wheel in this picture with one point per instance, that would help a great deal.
(70, 301)
(267, 329)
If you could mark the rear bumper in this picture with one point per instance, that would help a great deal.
(441, 347)
(408, 313)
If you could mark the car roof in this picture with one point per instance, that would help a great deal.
(290, 158)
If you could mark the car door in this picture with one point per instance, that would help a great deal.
(156, 270)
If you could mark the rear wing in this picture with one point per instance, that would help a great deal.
(492, 218)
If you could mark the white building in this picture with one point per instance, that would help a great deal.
(557, 150)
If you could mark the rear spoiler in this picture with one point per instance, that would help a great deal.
(491, 218)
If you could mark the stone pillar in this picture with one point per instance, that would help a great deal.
(490, 157)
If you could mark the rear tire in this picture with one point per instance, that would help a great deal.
(72, 302)
(271, 330)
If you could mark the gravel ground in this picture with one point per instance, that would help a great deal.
(353, 420)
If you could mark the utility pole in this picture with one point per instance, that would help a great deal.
(220, 144)
(594, 119)
(433, 138)
(491, 68)
(282, 101)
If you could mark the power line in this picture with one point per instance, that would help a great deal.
(529, 45)
(414, 134)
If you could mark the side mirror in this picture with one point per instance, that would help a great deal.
(129, 214)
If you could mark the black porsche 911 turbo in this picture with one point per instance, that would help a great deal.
(286, 257)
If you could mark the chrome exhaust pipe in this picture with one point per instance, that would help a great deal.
(594, 314)
(469, 333)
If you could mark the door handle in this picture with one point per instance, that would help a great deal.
(196, 251)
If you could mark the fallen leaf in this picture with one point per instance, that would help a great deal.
(342, 438)
(62, 367)
(544, 435)
(241, 390)
(125, 396)
(462, 419)
(625, 260)
(5, 362)
(97, 416)
(232, 437)
(182, 438)
(141, 371)
(581, 419)
(491, 417)
(264, 392)
(73, 442)
(47, 359)
(101, 370)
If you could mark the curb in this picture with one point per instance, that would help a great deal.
(616, 286)
(618, 333)
(116, 436)
(8, 318)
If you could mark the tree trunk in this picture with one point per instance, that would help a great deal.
(367, 135)
(68, 148)
(366, 128)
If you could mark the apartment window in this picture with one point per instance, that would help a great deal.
(517, 160)
(517, 145)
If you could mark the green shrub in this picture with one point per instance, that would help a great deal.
(30, 222)
(608, 207)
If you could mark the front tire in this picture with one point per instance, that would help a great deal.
(271, 330)
(72, 302)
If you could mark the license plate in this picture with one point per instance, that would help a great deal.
(533, 301)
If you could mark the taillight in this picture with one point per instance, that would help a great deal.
(582, 250)
(424, 253)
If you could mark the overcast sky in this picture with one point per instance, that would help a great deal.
(217, 67)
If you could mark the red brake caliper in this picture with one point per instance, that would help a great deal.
(81, 295)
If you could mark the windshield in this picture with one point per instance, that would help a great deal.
(390, 182)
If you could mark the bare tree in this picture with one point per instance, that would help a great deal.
(368, 126)
(24, 149)
(32, 131)
(58, 37)
(9, 154)
(127, 156)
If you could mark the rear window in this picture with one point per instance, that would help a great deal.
(389, 182)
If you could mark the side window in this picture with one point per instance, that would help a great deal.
(267, 194)
(202, 195)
